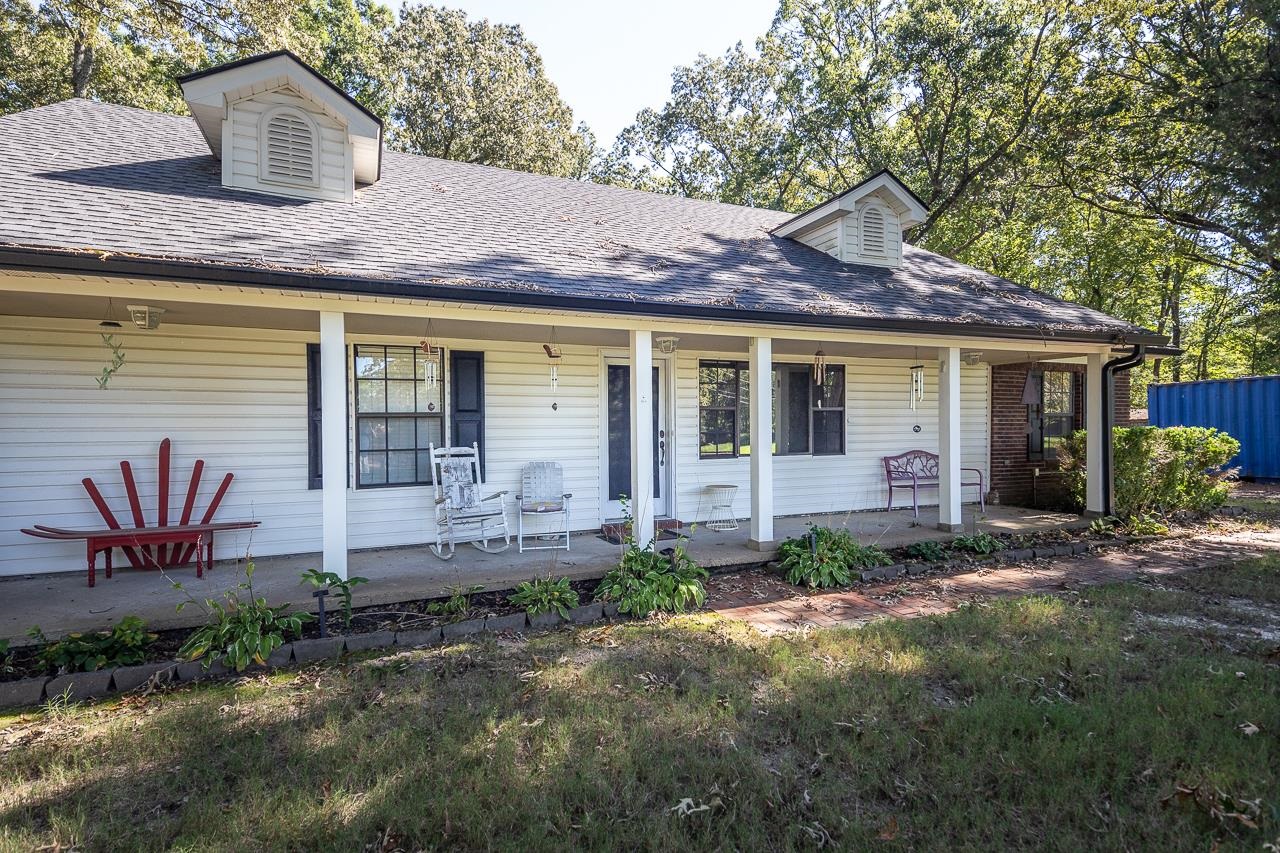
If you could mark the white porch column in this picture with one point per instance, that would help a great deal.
(642, 509)
(949, 440)
(1094, 402)
(333, 439)
(761, 413)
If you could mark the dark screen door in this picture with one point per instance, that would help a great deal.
(620, 432)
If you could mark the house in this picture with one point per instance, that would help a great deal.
(275, 269)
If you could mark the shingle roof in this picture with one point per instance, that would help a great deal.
(80, 175)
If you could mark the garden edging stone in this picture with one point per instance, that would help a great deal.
(26, 691)
(586, 613)
(419, 637)
(128, 678)
(511, 622)
(376, 640)
(79, 686)
(317, 648)
(546, 621)
(464, 628)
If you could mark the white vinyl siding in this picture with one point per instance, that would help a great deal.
(825, 239)
(878, 423)
(242, 166)
(237, 398)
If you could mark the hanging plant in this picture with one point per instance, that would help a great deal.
(117, 361)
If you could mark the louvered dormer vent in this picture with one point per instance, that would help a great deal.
(873, 232)
(289, 149)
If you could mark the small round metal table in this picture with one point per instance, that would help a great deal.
(721, 516)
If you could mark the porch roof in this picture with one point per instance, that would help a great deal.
(116, 190)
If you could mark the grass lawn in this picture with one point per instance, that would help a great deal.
(1134, 716)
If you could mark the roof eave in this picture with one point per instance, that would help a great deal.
(29, 259)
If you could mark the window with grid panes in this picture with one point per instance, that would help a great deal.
(399, 415)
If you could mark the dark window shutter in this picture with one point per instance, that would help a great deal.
(466, 400)
(314, 474)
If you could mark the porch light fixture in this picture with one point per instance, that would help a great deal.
(820, 367)
(145, 317)
(666, 346)
(433, 352)
(972, 358)
(552, 350)
(107, 321)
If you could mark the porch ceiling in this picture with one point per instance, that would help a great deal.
(178, 312)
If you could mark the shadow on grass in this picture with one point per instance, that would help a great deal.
(1035, 722)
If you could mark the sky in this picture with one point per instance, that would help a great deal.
(611, 59)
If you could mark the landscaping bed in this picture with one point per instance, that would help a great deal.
(1140, 715)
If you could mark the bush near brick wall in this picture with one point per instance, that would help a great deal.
(1011, 471)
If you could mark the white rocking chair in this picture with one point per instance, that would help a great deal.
(461, 514)
(542, 494)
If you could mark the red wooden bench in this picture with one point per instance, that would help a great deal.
(163, 546)
(919, 468)
(194, 539)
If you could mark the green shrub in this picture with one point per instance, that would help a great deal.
(242, 629)
(927, 551)
(124, 645)
(544, 595)
(979, 543)
(646, 581)
(824, 558)
(1158, 469)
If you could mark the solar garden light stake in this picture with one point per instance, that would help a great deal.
(320, 596)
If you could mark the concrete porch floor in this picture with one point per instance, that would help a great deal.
(62, 602)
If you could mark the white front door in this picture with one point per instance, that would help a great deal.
(617, 430)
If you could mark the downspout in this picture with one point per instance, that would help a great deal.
(1109, 370)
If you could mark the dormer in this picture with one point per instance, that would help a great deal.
(279, 127)
(863, 225)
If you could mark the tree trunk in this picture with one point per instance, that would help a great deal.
(81, 67)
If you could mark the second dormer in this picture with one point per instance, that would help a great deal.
(279, 127)
(863, 225)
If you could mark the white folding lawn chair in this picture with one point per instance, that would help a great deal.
(542, 495)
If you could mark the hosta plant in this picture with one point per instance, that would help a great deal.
(646, 581)
(978, 543)
(242, 628)
(927, 551)
(544, 595)
(824, 558)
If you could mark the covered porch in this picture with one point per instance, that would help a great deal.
(61, 602)
(242, 378)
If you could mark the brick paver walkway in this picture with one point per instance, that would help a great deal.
(771, 605)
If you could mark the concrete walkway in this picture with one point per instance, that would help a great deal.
(772, 606)
(60, 603)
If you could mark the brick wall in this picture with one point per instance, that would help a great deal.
(1013, 479)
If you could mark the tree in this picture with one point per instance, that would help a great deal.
(477, 92)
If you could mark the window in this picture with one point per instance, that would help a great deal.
(398, 415)
(1052, 420)
(723, 427)
(287, 148)
(807, 418)
(873, 236)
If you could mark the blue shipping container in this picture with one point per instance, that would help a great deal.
(1246, 409)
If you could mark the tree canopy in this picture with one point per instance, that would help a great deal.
(1118, 153)
(1124, 155)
